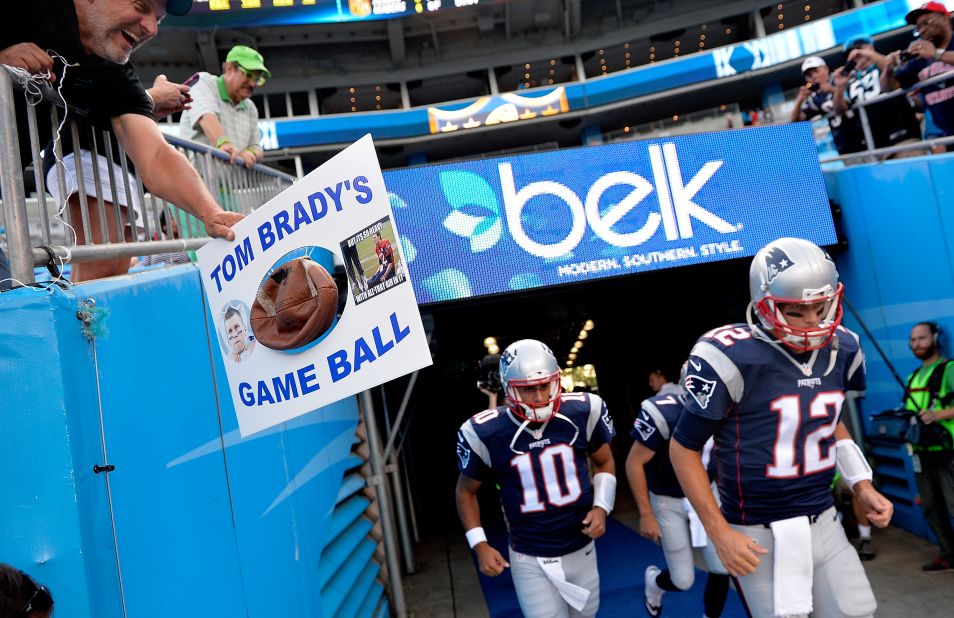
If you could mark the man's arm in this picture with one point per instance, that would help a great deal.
(594, 524)
(878, 508)
(170, 176)
(639, 456)
(489, 560)
(839, 104)
(27, 56)
(210, 125)
(797, 113)
(168, 97)
(738, 552)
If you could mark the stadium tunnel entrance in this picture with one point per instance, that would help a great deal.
(643, 322)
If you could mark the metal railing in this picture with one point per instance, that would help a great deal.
(712, 119)
(872, 153)
(35, 230)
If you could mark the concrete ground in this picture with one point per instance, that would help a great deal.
(447, 584)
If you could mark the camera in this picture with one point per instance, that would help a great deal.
(813, 86)
(906, 56)
(849, 67)
(488, 373)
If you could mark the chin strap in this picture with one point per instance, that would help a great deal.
(539, 434)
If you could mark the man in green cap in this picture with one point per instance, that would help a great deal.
(222, 114)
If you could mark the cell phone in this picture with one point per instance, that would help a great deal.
(813, 86)
(849, 67)
(905, 56)
(192, 80)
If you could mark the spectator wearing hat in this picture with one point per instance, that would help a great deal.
(84, 48)
(929, 56)
(893, 121)
(816, 98)
(222, 113)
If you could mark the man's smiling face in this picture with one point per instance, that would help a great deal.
(113, 29)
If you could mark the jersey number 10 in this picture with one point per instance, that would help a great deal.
(560, 492)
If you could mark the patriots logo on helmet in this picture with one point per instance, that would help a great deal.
(463, 452)
(776, 261)
(700, 389)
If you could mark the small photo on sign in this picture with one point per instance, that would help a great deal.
(296, 304)
(235, 336)
(372, 261)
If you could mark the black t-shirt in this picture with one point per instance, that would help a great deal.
(891, 121)
(99, 88)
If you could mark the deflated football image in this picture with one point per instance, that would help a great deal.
(295, 305)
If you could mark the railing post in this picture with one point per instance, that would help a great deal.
(379, 474)
(19, 250)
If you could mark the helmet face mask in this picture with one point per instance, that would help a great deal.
(796, 294)
(771, 312)
(531, 379)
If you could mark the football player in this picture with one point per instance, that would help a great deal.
(771, 392)
(385, 253)
(537, 448)
(664, 515)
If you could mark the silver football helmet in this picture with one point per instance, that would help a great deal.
(524, 365)
(793, 271)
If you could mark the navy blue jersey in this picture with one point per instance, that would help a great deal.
(939, 97)
(653, 427)
(773, 421)
(846, 129)
(543, 475)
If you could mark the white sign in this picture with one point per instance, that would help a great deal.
(287, 348)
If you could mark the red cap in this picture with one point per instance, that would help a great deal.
(927, 7)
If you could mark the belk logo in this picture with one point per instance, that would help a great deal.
(477, 215)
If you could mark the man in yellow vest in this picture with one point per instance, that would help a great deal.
(930, 393)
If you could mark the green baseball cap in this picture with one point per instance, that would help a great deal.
(178, 7)
(248, 59)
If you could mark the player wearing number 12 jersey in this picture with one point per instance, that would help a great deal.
(536, 448)
(771, 393)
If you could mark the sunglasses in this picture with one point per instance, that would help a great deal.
(258, 77)
(41, 601)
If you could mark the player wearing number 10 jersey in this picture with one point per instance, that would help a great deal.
(771, 393)
(536, 448)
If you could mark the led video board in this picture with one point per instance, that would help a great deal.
(253, 13)
(502, 225)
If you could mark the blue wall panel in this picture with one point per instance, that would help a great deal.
(190, 498)
(898, 271)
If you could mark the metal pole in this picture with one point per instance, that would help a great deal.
(397, 488)
(384, 504)
(11, 185)
(866, 127)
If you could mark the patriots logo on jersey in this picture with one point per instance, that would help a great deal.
(700, 389)
(776, 261)
(463, 450)
(645, 429)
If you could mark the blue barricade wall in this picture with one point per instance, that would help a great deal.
(205, 523)
(898, 271)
